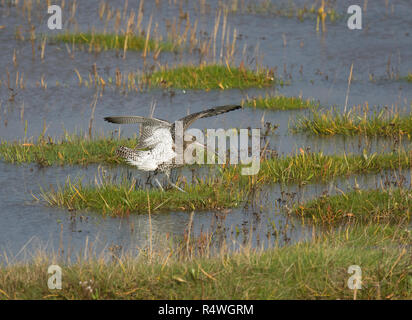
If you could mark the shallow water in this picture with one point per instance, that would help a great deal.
(381, 48)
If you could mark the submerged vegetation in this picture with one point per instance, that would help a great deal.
(279, 103)
(207, 77)
(306, 270)
(289, 9)
(333, 122)
(393, 205)
(99, 41)
(202, 77)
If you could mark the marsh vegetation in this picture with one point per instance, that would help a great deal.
(277, 102)
(356, 122)
(288, 232)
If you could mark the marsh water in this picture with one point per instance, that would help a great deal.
(316, 65)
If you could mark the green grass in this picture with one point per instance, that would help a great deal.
(112, 41)
(307, 270)
(301, 167)
(307, 167)
(270, 102)
(71, 149)
(409, 77)
(208, 77)
(226, 190)
(333, 122)
(393, 205)
(124, 198)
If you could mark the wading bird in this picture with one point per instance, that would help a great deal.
(155, 150)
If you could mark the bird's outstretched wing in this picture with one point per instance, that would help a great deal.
(137, 119)
(188, 120)
(150, 126)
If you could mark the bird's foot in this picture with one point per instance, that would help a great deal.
(180, 189)
(173, 185)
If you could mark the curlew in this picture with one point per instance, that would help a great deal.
(155, 150)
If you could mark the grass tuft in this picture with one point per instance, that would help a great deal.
(100, 41)
(126, 198)
(208, 77)
(226, 190)
(72, 149)
(306, 167)
(280, 103)
(360, 205)
(291, 10)
(333, 122)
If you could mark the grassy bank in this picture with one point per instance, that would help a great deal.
(299, 167)
(306, 167)
(361, 205)
(124, 198)
(100, 41)
(311, 270)
(208, 77)
(69, 150)
(229, 189)
(270, 102)
(353, 123)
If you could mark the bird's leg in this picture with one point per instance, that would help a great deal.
(193, 176)
(171, 183)
(155, 173)
(175, 176)
(159, 184)
(148, 178)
